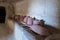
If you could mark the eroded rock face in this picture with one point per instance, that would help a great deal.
(53, 37)
(10, 0)
(9, 11)
(39, 30)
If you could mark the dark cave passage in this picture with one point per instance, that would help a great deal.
(2, 14)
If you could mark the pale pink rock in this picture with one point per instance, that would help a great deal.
(39, 30)
(26, 19)
(35, 22)
(30, 21)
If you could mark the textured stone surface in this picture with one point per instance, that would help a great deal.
(10, 0)
(4, 33)
(9, 11)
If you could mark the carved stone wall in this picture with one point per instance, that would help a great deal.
(9, 11)
(8, 7)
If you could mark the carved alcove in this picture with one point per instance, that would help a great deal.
(8, 8)
(9, 11)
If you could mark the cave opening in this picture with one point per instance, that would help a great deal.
(2, 14)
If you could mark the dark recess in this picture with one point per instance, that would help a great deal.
(2, 14)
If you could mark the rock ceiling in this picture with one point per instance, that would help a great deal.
(10, 0)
